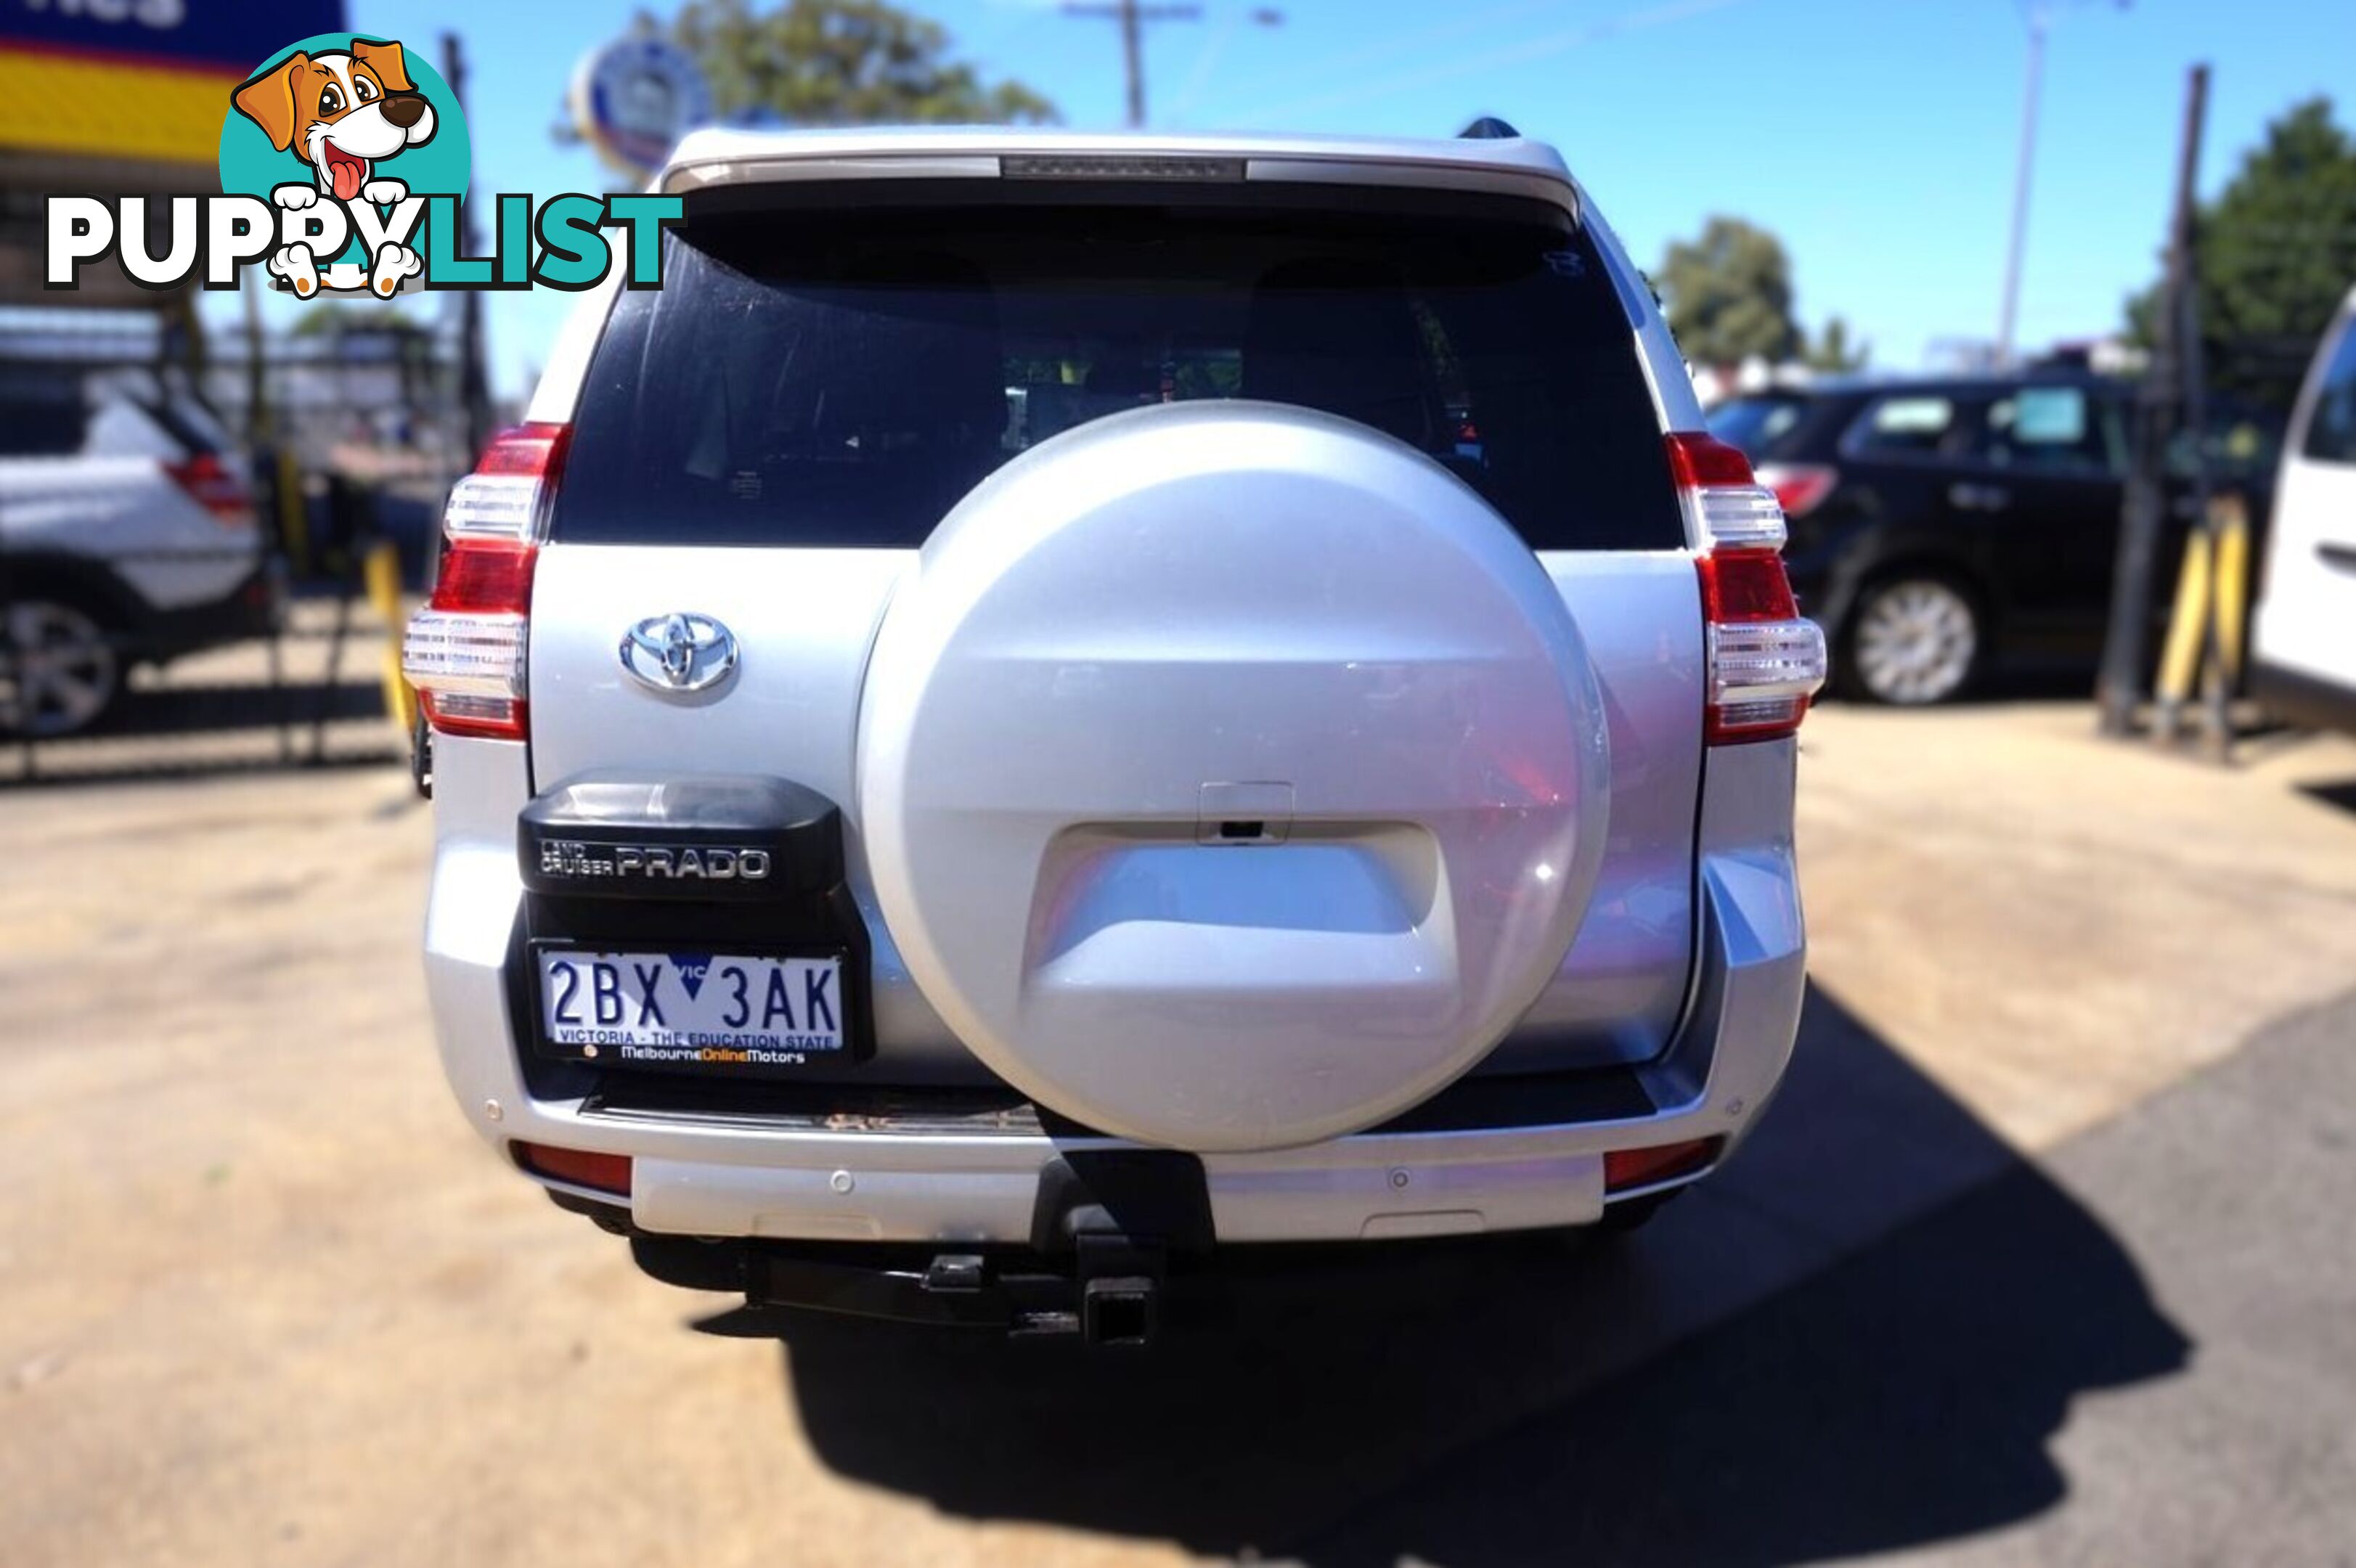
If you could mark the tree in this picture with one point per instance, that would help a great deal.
(2275, 254)
(1831, 352)
(1730, 295)
(842, 62)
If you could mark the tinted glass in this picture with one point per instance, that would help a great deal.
(41, 427)
(1755, 423)
(833, 378)
(2331, 427)
(2056, 429)
(1911, 424)
(43, 411)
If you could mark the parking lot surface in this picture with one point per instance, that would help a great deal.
(2036, 1260)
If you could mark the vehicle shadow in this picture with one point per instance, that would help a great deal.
(194, 708)
(1861, 1335)
(167, 730)
(2340, 795)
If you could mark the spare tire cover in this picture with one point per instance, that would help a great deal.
(1231, 776)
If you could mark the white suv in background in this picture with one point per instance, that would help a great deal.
(1052, 707)
(127, 536)
(2303, 657)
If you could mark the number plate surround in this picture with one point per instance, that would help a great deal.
(713, 1061)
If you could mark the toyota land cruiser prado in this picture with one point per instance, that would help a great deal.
(1050, 706)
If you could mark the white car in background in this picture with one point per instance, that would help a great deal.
(2303, 662)
(127, 536)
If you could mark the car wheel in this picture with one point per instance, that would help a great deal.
(59, 670)
(1913, 641)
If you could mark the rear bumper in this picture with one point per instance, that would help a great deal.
(251, 609)
(736, 1177)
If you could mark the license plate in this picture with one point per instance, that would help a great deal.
(691, 1010)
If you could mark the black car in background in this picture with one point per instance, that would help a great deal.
(1942, 528)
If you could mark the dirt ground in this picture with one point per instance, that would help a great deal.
(264, 1298)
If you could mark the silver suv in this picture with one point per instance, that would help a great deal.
(1053, 704)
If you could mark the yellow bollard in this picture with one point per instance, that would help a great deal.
(2231, 590)
(2181, 660)
(380, 570)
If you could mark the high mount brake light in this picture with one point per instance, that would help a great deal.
(464, 651)
(1765, 660)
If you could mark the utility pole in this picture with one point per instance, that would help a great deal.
(474, 386)
(2169, 385)
(2039, 17)
(1132, 17)
(2039, 20)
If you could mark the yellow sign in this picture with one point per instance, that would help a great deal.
(111, 108)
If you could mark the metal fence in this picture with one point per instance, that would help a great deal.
(356, 439)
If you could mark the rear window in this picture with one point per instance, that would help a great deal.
(41, 427)
(817, 376)
(43, 413)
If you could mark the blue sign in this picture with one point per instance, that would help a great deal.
(635, 98)
(228, 34)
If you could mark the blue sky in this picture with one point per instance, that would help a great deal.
(1877, 137)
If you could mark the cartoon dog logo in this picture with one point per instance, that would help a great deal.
(343, 113)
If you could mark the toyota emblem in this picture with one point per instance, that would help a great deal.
(679, 651)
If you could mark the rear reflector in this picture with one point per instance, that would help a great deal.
(578, 1167)
(465, 653)
(1624, 1169)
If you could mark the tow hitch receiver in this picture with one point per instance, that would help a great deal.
(1120, 1289)
(1104, 1227)
(1110, 1297)
(1119, 1310)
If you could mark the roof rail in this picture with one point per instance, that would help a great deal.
(1488, 128)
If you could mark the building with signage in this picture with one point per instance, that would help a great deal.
(122, 97)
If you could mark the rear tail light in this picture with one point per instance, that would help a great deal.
(215, 487)
(1724, 505)
(464, 651)
(577, 1167)
(1624, 1169)
(1799, 487)
(1765, 660)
